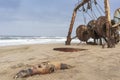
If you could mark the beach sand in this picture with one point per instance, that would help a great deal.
(94, 63)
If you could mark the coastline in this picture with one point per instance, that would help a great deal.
(94, 63)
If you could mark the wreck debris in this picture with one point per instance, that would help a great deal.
(82, 33)
(106, 20)
(69, 49)
(42, 68)
(92, 29)
(96, 29)
(73, 20)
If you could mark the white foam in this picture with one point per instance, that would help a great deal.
(34, 40)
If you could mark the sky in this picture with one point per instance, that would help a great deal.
(41, 17)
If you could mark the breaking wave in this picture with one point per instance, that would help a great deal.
(23, 40)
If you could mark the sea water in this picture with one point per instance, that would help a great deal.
(23, 40)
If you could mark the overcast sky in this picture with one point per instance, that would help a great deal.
(40, 17)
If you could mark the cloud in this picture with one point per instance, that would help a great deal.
(38, 17)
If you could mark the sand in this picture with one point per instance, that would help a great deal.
(94, 63)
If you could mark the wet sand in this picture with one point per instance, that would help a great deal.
(94, 63)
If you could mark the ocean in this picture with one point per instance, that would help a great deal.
(23, 40)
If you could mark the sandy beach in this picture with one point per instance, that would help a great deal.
(94, 63)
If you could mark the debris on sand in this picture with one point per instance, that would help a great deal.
(69, 49)
(42, 68)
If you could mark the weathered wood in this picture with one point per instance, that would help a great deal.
(108, 21)
(73, 20)
(117, 15)
(116, 25)
(81, 4)
(70, 28)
